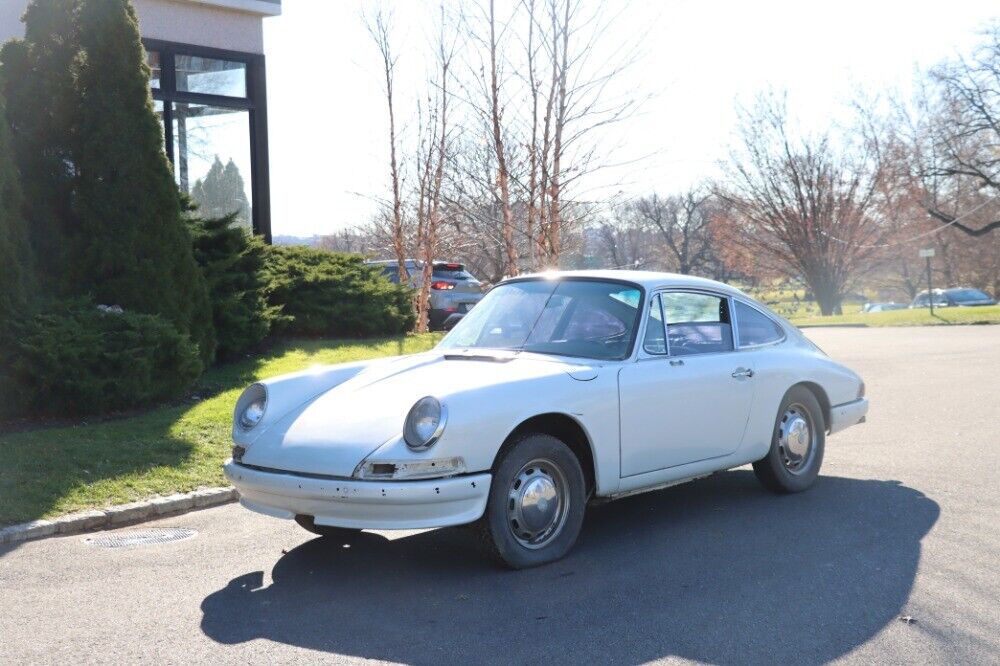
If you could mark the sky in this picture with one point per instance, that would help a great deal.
(697, 62)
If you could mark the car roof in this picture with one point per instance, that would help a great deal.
(646, 279)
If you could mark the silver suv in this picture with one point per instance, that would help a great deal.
(453, 289)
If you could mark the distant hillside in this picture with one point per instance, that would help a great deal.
(311, 241)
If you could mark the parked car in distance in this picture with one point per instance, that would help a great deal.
(883, 307)
(453, 289)
(557, 389)
(956, 297)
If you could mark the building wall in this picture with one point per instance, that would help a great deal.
(234, 25)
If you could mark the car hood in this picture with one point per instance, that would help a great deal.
(334, 431)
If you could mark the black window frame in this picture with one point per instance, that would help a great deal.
(255, 103)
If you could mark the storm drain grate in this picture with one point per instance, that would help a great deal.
(140, 537)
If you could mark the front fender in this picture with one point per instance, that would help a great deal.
(480, 420)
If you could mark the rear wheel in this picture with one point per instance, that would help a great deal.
(536, 505)
(797, 444)
(308, 523)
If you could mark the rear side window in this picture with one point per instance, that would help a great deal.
(696, 323)
(755, 328)
(391, 272)
(451, 271)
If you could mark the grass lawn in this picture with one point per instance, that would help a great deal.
(921, 317)
(52, 471)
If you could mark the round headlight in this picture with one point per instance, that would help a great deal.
(252, 414)
(424, 423)
(251, 406)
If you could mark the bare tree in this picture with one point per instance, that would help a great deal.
(684, 225)
(808, 208)
(432, 175)
(967, 129)
(380, 30)
(623, 240)
(503, 176)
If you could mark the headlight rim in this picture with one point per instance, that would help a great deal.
(252, 394)
(438, 431)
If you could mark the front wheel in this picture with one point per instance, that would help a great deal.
(796, 453)
(536, 504)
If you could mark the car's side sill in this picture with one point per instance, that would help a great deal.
(646, 489)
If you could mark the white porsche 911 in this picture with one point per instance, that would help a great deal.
(555, 389)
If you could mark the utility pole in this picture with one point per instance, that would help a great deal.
(927, 254)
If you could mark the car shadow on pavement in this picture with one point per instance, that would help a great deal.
(717, 571)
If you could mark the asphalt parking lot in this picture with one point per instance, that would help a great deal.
(904, 523)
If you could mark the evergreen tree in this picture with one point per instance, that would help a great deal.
(231, 260)
(41, 109)
(134, 248)
(222, 192)
(15, 252)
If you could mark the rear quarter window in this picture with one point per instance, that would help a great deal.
(755, 328)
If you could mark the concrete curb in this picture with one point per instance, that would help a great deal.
(118, 516)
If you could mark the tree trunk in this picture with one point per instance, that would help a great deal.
(827, 295)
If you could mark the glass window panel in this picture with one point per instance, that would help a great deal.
(212, 159)
(697, 323)
(156, 71)
(158, 109)
(211, 76)
(755, 327)
(655, 340)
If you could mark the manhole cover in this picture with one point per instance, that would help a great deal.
(139, 537)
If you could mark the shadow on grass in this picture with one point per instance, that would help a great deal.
(161, 450)
(715, 571)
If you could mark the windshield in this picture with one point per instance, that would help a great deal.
(962, 295)
(583, 318)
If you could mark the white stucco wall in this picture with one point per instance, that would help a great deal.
(225, 24)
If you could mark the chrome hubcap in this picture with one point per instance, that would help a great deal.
(536, 503)
(795, 439)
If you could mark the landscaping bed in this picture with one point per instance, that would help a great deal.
(48, 471)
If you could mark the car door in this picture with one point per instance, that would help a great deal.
(688, 396)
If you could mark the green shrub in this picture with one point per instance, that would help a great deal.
(333, 294)
(16, 279)
(231, 261)
(75, 359)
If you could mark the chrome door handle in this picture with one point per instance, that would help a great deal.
(676, 361)
(742, 373)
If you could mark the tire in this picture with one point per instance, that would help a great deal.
(521, 528)
(790, 466)
(307, 523)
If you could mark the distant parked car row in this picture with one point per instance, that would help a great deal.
(943, 298)
(454, 291)
(958, 297)
(883, 307)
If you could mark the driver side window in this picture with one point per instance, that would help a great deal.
(697, 323)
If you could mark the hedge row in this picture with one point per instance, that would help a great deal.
(74, 358)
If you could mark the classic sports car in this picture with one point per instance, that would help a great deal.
(554, 390)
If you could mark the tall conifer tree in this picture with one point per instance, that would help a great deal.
(41, 109)
(15, 253)
(134, 248)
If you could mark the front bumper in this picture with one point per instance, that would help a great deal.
(390, 505)
(848, 414)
